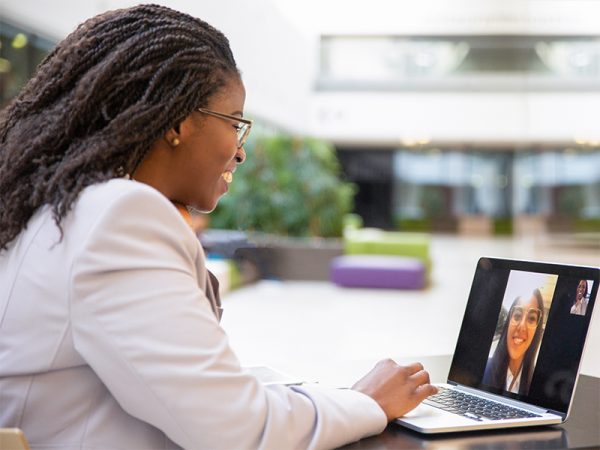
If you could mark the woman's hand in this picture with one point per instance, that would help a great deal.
(397, 389)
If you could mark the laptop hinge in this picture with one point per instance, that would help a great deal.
(499, 398)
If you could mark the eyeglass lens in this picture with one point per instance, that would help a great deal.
(532, 316)
(242, 129)
(242, 134)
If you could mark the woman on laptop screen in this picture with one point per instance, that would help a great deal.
(581, 301)
(511, 366)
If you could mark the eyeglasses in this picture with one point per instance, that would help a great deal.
(242, 128)
(532, 316)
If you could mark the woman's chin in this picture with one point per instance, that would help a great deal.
(210, 206)
(203, 207)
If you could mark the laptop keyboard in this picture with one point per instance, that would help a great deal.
(474, 407)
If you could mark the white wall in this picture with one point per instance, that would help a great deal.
(275, 59)
(486, 117)
(443, 17)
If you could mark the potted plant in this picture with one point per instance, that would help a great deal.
(289, 187)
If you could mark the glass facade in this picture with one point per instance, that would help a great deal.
(437, 189)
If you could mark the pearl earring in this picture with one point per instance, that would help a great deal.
(175, 142)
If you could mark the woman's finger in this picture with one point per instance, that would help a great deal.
(420, 377)
(414, 368)
(424, 391)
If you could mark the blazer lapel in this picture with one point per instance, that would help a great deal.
(212, 292)
(212, 284)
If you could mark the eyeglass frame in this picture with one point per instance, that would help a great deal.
(539, 317)
(245, 128)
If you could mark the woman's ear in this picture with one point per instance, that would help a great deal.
(173, 136)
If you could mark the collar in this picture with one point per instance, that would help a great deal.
(184, 213)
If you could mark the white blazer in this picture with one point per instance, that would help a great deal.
(109, 340)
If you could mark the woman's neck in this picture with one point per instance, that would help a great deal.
(184, 212)
(515, 365)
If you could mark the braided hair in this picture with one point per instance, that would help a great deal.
(98, 102)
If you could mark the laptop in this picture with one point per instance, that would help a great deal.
(519, 349)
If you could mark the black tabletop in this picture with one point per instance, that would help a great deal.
(580, 431)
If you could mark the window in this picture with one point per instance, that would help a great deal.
(459, 62)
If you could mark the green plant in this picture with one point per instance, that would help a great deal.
(287, 186)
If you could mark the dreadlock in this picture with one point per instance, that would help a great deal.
(98, 102)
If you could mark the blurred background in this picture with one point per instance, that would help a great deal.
(447, 116)
(472, 122)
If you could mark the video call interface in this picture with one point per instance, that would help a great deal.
(525, 330)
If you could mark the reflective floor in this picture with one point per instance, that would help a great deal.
(319, 331)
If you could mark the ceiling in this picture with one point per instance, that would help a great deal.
(314, 17)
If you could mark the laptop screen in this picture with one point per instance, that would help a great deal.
(524, 330)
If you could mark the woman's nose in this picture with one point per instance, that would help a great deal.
(240, 155)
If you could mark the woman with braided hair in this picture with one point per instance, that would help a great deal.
(109, 320)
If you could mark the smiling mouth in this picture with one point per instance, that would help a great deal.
(518, 341)
(227, 176)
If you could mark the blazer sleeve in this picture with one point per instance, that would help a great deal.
(146, 328)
